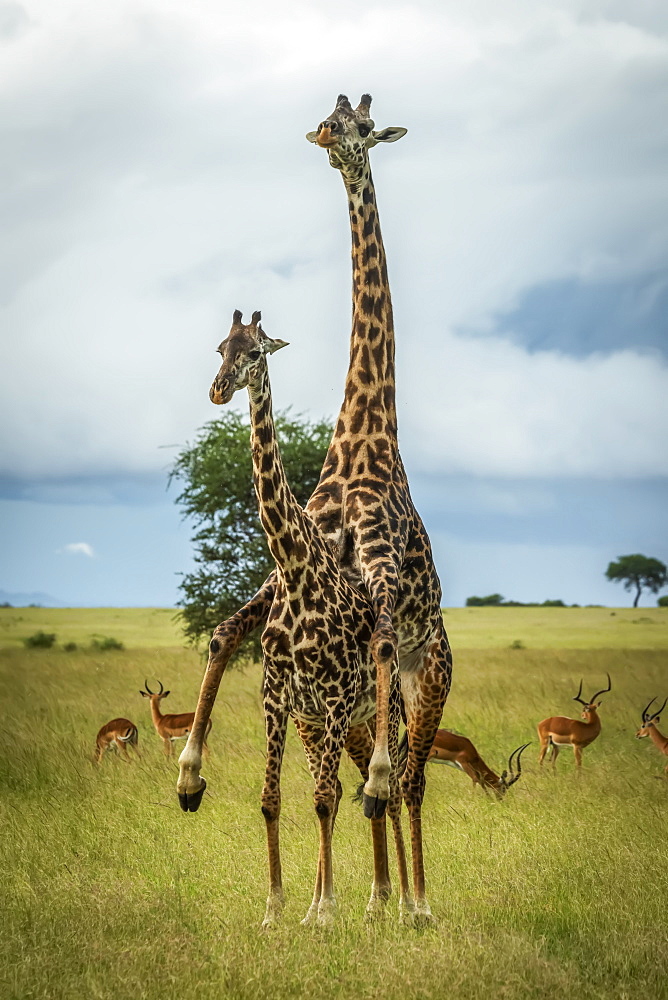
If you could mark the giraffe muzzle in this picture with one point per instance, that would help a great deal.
(325, 138)
(221, 391)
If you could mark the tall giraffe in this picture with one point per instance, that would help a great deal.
(363, 505)
(363, 502)
(317, 663)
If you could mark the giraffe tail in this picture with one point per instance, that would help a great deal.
(358, 797)
(402, 754)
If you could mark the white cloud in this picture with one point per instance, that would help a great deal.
(158, 178)
(79, 549)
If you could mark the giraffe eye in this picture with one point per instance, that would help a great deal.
(363, 130)
(254, 355)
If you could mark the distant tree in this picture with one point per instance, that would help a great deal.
(481, 602)
(637, 571)
(663, 601)
(230, 548)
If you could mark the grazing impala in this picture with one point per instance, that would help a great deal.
(119, 734)
(460, 752)
(648, 728)
(170, 727)
(560, 731)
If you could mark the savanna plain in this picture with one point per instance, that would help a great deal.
(110, 891)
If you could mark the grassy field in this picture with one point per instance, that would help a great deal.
(109, 891)
(468, 628)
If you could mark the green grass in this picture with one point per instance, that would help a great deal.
(468, 628)
(109, 891)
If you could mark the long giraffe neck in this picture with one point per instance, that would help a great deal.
(369, 404)
(284, 522)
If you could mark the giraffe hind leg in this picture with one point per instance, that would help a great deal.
(424, 691)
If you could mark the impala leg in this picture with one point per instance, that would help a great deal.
(544, 744)
(577, 750)
(122, 749)
(167, 746)
(554, 754)
(276, 722)
(424, 691)
(227, 638)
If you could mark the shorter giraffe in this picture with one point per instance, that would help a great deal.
(318, 666)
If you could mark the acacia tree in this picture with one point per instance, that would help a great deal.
(231, 554)
(638, 571)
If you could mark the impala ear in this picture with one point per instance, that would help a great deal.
(504, 776)
(144, 695)
(165, 693)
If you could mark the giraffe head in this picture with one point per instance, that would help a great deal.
(348, 134)
(243, 352)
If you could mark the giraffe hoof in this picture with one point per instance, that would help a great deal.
(374, 807)
(191, 801)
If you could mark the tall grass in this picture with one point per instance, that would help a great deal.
(109, 891)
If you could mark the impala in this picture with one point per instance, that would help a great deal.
(170, 727)
(459, 752)
(560, 731)
(648, 728)
(119, 734)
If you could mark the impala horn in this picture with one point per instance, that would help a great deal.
(603, 690)
(578, 698)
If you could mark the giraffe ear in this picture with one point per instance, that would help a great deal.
(389, 134)
(271, 346)
(312, 136)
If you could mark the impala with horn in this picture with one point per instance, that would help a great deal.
(118, 735)
(458, 751)
(170, 727)
(648, 728)
(560, 731)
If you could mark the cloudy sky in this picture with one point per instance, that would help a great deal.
(156, 177)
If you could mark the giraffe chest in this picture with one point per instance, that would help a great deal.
(316, 666)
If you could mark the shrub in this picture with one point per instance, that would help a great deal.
(69, 647)
(105, 642)
(662, 601)
(516, 644)
(40, 640)
(482, 602)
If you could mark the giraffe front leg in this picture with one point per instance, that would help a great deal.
(276, 726)
(359, 746)
(226, 639)
(384, 652)
(312, 741)
(325, 799)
